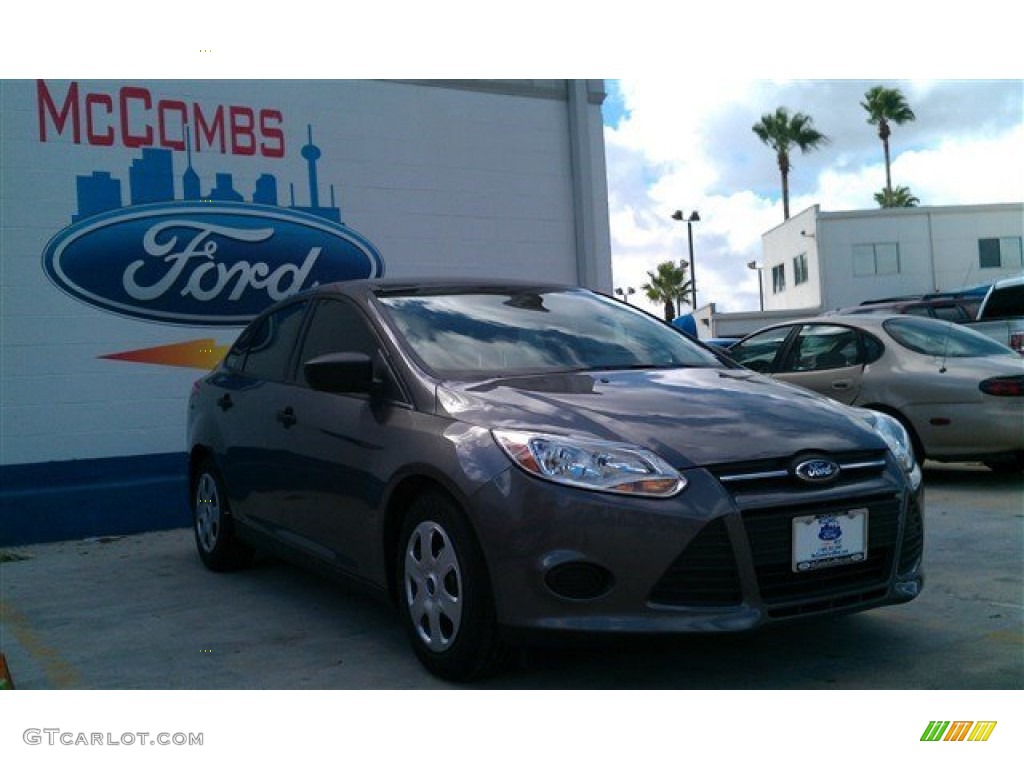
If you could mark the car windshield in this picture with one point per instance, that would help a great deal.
(507, 332)
(933, 337)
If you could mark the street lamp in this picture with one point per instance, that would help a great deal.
(625, 293)
(760, 285)
(678, 216)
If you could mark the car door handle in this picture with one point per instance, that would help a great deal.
(842, 384)
(225, 402)
(287, 417)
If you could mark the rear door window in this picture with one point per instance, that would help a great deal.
(272, 343)
(823, 347)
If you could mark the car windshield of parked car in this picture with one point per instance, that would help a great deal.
(932, 337)
(506, 332)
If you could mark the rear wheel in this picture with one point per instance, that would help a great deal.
(1012, 465)
(444, 593)
(219, 548)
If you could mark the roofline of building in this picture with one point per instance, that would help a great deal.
(557, 90)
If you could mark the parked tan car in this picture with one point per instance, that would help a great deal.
(959, 393)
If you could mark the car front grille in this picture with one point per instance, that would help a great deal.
(706, 573)
(776, 475)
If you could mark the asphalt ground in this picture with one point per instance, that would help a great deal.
(140, 612)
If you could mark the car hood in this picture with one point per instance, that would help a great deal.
(689, 416)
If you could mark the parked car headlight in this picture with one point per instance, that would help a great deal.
(896, 437)
(597, 465)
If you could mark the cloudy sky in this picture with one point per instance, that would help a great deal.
(693, 149)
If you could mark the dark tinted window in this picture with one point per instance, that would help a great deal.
(1007, 301)
(272, 343)
(336, 327)
(873, 348)
(823, 347)
(236, 355)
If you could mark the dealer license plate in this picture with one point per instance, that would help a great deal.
(825, 541)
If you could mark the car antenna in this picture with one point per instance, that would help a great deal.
(949, 330)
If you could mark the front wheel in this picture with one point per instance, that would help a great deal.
(444, 593)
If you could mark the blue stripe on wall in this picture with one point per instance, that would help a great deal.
(64, 500)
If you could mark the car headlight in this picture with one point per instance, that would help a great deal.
(597, 465)
(896, 437)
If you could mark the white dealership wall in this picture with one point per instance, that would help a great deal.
(938, 251)
(450, 178)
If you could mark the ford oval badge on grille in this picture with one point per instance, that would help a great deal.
(817, 470)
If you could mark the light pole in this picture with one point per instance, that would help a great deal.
(625, 293)
(760, 286)
(678, 216)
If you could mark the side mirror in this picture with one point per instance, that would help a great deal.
(340, 372)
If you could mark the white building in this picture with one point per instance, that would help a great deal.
(142, 223)
(819, 261)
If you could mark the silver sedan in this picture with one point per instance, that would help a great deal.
(958, 393)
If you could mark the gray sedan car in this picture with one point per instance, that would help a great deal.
(959, 394)
(502, 460)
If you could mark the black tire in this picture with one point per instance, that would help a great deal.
(219, 548)
(444, 593)
(1009, 466)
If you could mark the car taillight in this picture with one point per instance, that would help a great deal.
(195, 386)
(1003, 386)
(1017, 341)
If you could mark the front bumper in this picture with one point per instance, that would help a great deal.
(714, 558)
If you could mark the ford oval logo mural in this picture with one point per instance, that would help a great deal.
(203, 263)
(817, 470)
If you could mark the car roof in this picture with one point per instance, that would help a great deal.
(435, 285)
(1008, 281)
(869, 321)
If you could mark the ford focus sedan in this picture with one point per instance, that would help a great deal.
(508, 459)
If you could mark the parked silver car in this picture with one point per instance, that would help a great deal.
(958, 393)
(506, 459)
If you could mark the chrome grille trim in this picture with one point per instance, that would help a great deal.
(779, 474)
(754, 476)
(876, 464)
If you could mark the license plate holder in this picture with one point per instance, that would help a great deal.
(829, 540)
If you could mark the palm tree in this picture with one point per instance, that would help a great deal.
(885, 106)
(668, 286)
(781, 131)
(900, 197)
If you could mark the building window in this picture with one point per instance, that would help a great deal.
(999, 252)
(800, 269)
(876, 259)
(779, 278)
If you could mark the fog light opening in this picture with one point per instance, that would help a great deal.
(579, 581)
